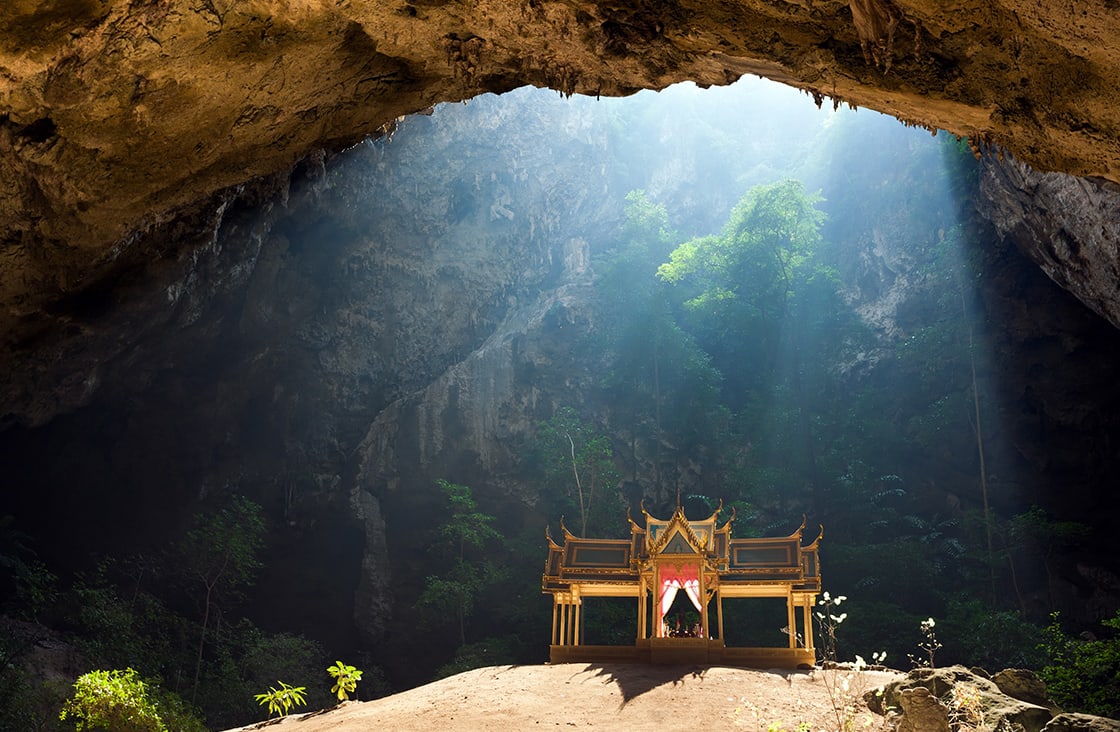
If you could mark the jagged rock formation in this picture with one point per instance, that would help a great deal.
(927, 700)
(117, 118)
(1068, 225)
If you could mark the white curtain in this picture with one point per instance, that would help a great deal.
(692, 587)
(675, 579)
(669, 589)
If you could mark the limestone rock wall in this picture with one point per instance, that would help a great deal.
(1068, 225)
(118, 117)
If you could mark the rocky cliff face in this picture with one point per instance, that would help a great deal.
(314, 318)
(117, 119)
(1068, 225)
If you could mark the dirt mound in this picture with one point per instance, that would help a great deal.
(607, 696)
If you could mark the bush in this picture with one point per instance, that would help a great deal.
(487, 652)
(113, 700)
(346, 679)
(1084, 675)
(976, 635)
(121, 701)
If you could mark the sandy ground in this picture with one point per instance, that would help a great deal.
(605, 696)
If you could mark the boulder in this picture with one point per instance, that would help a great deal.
(1024, 685)
(927, 700)
(1081, 723)
(922, 711)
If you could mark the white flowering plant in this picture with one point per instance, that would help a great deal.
(828, 619)
(929, 644)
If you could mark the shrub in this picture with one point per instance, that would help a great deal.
(121, 701)
(1084, 675)
(977, 635)
(346, 679)
(116, 700)
(487, 652)
(283, 699)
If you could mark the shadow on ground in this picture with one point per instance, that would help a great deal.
(635, 679)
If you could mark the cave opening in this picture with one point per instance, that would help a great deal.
(713, 294)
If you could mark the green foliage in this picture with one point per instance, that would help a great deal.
(281, 700)
(245, 660)
(36, 589)
(116, 629)
(261, 656)
(749, 271)
(778, 727)
(177, 714)
(220, 554)
(480, 654)
(116, 700)
(463, 544)
(762, 300)
(346, 679)
(979, 635)
(29, 703)
(467, 527)
(1084, 675)
(220, 551)
(663, 388)
(25, 582)
(578, 461)
(876, 624)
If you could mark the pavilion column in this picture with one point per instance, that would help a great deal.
(575, 626)
(719, 609)
(704, 631)
(807, 614)
(555, 620)
(564, 613)
(641, 609)
(791, 618)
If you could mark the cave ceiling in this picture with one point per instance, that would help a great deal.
(118, 117)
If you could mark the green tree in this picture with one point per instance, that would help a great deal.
(764, 303)
(579, 462)
(663, 391)
(219, 555)
(464, 544)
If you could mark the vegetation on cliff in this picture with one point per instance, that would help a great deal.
(794, 317)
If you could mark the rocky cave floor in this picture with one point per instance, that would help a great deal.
(688, 698)
(607, 696)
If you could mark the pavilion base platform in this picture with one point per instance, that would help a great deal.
(685, 651)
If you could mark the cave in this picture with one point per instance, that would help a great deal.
(219, 278)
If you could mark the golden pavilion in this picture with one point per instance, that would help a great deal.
(699, 557)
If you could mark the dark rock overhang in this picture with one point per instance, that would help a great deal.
(117, 117)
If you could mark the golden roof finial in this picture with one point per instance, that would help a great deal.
(727, 524)
(715, 513)
(817, 541)
(804, 520)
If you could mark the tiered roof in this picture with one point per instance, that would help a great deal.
(741, 564)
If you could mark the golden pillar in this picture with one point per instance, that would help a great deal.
(791, 619)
